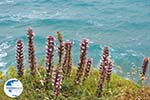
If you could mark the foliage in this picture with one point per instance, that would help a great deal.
(1, 75)
(34, 90)
(71, 87)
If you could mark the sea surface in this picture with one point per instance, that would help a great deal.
(124, 25)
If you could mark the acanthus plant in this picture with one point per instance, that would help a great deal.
(31, 52)
(145, 66)
(67, 64)
(49, 58)
(57, 81)
(88, 68)
(109, 72)
(144, 70)
(60, 49)
(105, 70)
(20, 58)
(82, 61)
(57, 73)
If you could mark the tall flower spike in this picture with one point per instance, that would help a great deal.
(88, 68)
(144, 66)
(103, 70)
(60, 48)
(82, 61)
(60, 53)
(109, 70)
(57, 81)
(31, 51)
(20, 58)
(49, 58)
(67, 64)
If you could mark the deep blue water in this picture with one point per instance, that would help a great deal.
(124, 25)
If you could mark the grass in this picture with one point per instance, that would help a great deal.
(120, 88)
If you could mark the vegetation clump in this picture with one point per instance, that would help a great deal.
(65, 82)
(105, 70)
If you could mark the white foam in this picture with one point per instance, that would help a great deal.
(2, 64)
(3, 55)
(95, 23)
(3, 48)
(123, 54)
(4, 45)
(9, 1)
(6, 2)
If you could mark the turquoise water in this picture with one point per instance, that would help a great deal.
(124, 25)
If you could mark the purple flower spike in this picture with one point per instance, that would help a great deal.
(105, 70)
(20, 58)
(88, 68)
(49, 58)
(67, 64)
(31, 51)
(82, 61)
(57, 80)
(60, 53)
(109, 70)
(145, 66)
(60, 48)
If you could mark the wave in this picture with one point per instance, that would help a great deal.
(95, 23)
(33, 15)
(4, 46)
(2, 64)
(6, 2)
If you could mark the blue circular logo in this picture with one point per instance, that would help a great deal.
(13, 88)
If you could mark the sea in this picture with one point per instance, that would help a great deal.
(123, 25)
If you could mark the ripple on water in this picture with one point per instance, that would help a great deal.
(3, 48)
